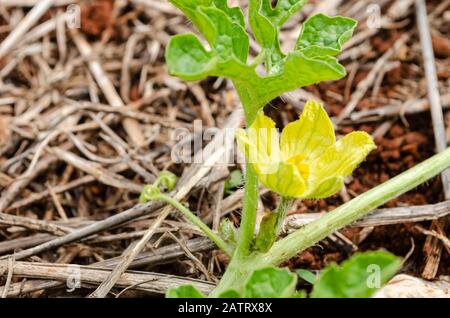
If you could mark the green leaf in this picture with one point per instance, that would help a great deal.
(284, 9)
(235, 180)
(297, 71)
(231, 293)
(224, 29)
(358, 277)
(265, 22)
(270, 282)
(307, 276)
(322, 35)
(228, 232)
(266, 34)
(230, 39)
(187, 58)
(235, 13)
(263, 29)
(185, 291)
(191, 9)
(267, 232)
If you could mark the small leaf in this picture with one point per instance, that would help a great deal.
(229, 39)
(231, 293)
(187, 58)
(235, 180)
(284, 9)
(270, 282)
(185, 291)
(235, 13)
(222, 27)
(266, 33)
(322, 35)
(228, 232)
(358, 277)
(267, 232)
(191, 9)
(307, 276)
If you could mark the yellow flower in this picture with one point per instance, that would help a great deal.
(307, 161)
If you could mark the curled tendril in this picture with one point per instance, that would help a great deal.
(165, 179)
(148, 193)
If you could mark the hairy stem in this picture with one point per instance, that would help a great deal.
(351, 211)
(250, 205)
(248, 219)
(196, 221)
(282, 209)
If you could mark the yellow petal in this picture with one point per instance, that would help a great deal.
(340, 159)
(310, 136)
(261, 144)
(287, 181)
(325, 188)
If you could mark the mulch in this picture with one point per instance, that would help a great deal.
(74, 151)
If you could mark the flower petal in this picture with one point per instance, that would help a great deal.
(310, 136)
(342, 158)
(325, 189)
(261, 144)
(287, 181)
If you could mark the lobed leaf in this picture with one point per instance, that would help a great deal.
(322, 35)
(229, 38)
(356, 277)
(270, 282)
(187, 58)
(235, 13)
(223, 27)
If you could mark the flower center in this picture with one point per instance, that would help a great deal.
(298, 162)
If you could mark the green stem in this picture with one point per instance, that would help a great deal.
(196, 221)
(259, 59)
(248, 219)
(282, 209)
(351, 211)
